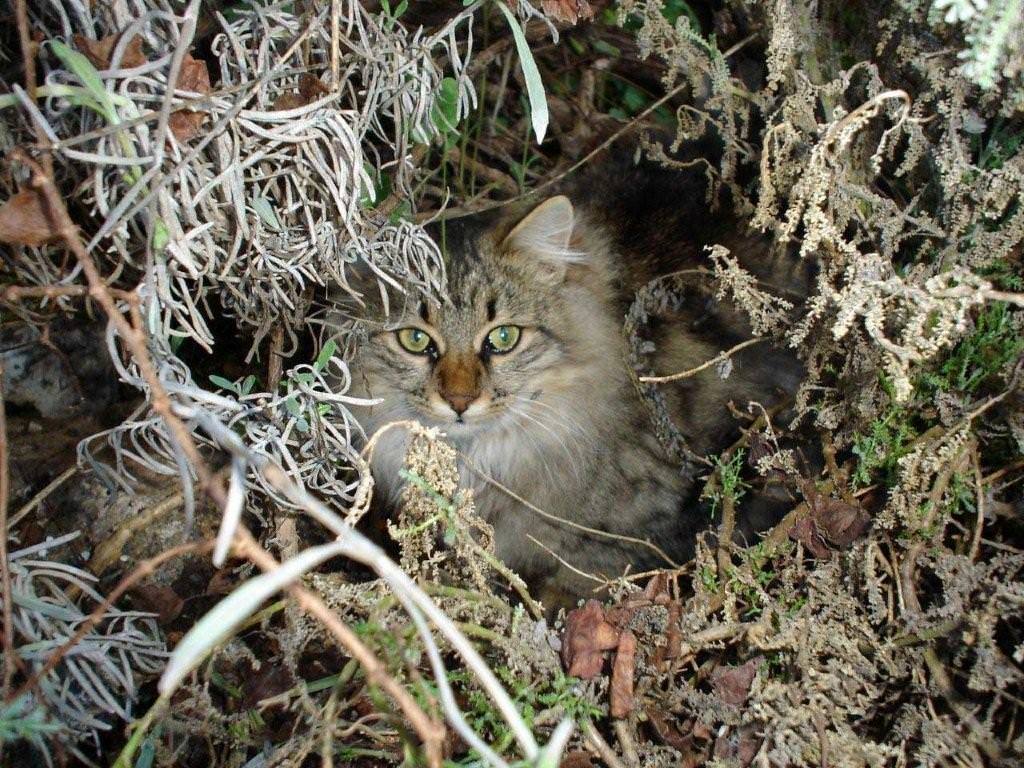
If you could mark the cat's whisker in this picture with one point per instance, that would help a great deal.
(559, 439)
(560, 416)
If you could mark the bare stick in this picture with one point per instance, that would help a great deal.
(41, 496)
(703, 366)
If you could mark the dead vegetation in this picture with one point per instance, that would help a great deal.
(191, 177)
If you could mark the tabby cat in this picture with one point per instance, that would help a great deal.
(525, 372)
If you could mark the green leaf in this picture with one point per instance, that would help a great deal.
(266, 212)
(247, 384)
(161, 237)
(223, 383)
(83, 69)
(325, 355)
(446, 106)
(531, 75)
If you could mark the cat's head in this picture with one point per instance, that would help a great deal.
(530, 328)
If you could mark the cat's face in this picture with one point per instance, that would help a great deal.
(528, 328)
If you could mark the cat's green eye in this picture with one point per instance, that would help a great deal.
(414, 340)
(503, 338)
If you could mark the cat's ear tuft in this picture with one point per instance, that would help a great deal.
(545, 234)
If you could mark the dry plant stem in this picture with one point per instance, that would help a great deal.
(703, 366)
(908, 566)
(144, 569)
(38, 499)
(625, 735)
(275, 357)
(979, 493)
(5, 573)
(597, 743)
(976, 731)
(15, 293)
(725, 534)
(108, 551)
(429, 730)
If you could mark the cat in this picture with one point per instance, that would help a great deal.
(525, 371)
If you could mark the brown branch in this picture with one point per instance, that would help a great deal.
(15, 293)
(703, 366)
(429, 729)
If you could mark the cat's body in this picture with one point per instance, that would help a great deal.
(525, 371)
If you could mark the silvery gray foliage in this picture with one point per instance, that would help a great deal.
(96, 682)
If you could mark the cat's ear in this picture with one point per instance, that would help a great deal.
(545, 235)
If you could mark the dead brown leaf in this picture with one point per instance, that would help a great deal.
(24, 220)
(805, 530)
(739, 745)
(587, 636)
(99, 51)
(158, 599)
(622, 701)
(577, 758)
(194, 76)
(840, 522)
(569, 11)
(732, 684)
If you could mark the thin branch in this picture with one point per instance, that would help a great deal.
(703, 366)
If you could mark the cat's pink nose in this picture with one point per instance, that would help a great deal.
(459, 403)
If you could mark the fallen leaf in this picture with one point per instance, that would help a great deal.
(622, 701)
(578, 758)
(739, 745)
(271, 680)
(221, 582)
(24, 220)
(840, 522)
(186, 125)
(158, 599)
(805, 530)
(732, 684)
(194, 76)
(587, 636)
(570, 11)
(99, 52)
(310, 89)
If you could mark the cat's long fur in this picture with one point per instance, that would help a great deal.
(558, 421)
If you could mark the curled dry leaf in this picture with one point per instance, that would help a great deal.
(569, 11)
(732, 684)
(587, 636)
(310, 89)
(99, 52)
(805, 530)
(622, 701)
(839, 522)
(194, 76)
(24, 220)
